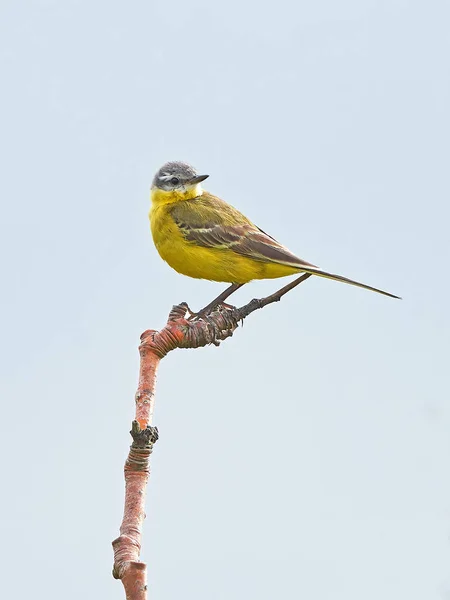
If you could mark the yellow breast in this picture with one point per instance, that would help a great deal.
(189, 259)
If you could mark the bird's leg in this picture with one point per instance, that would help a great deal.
(217, 301)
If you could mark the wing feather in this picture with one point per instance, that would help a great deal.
(211, 223)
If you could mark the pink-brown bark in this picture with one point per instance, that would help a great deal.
(179, 332)
(127, 546)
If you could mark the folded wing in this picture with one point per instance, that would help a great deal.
(222, 226)
(211, 223)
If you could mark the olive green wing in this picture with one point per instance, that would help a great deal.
(210, 222)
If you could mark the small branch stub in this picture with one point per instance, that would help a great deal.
(143, 438)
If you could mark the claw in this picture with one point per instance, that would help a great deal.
(226, 306)
(206, 312)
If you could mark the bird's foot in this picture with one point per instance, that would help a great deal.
(226, 306)
(204, 313)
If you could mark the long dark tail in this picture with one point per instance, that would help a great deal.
(320, 273)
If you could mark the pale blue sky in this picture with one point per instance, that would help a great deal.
(308, 457)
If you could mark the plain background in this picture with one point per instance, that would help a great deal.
(307, 457)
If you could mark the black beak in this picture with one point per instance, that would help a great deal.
(198, 179)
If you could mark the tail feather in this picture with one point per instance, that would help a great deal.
(342, 279)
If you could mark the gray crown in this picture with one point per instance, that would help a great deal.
(175, 169)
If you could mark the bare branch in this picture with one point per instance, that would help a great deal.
(179, 332)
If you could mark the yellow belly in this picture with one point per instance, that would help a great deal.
(215, 264)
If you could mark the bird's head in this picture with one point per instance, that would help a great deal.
(176, 181)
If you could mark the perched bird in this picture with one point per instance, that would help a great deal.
(202, 236)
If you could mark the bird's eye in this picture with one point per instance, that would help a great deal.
(174, 181)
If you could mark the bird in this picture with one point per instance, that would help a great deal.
(202, 236)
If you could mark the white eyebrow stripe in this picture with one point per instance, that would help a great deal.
(166, 176)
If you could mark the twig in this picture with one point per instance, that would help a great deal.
(256, 303)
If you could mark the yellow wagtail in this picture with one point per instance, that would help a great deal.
(202, 236)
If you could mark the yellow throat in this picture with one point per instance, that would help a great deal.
(161, 197)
